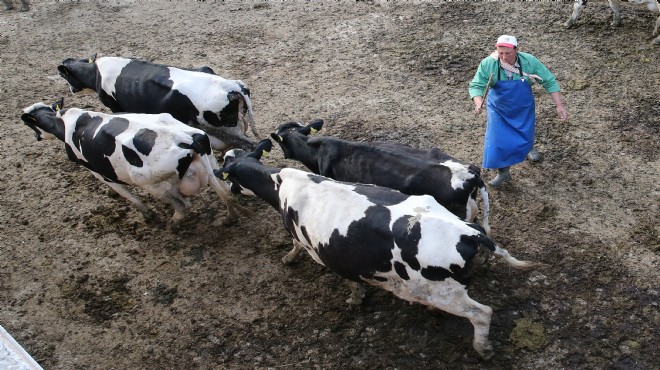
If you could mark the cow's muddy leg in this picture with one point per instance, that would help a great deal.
(457, 302)
(357, 292)
(293, 253)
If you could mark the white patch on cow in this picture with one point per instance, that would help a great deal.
(110, 68)
(207, 92)
(459, 173)
(310, 200)
(440, 229)
(35, 107)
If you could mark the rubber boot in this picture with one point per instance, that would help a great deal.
(503, 176)
(534, 155)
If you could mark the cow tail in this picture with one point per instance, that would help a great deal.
(508, 258)
(486, 208)
(481, 185)
(250, 114)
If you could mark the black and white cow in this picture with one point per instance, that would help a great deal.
(406, 244)
(155, 152)
(409, 170)
(652, 5)
(199, 97)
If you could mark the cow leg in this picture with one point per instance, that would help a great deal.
(180, 204)
(615, 5)
(656, 30)
(457, 302)
(8, 4)
(357, 292)
(577, 10)
(233, 209)
(25, 6)
(293, 253)
(121, 190)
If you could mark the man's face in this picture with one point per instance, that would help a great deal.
(507, 54)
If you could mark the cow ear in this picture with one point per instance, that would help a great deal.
(27, 117)
(225, 172)
(315, 126)
(262, 149)
(92, 59)
(276, 137)
(57, 106)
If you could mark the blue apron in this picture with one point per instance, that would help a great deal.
(510, 123)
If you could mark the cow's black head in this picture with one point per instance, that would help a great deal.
(291, 135)
(42, 118)
(79, 73)
(236, 155)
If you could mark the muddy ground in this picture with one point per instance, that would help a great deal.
(85, 283)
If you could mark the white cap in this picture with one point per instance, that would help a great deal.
(507, 41)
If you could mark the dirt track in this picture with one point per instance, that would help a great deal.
(85, 283)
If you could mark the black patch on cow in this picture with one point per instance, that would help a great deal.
(211, 118)
(98, 146)
(460, 274)
(467, 247)
(204, 142)
(400, 269)
(436, 273)
(366, 248)
(184, 164)
(229, 114)
(477, 227)
(317, 179)
(145, 140)
(305, 234)
(407, 237)
(379, 195)
(144, 87)
(131, 156)
(290, 218)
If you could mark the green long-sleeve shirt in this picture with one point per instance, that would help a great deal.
(529, 64)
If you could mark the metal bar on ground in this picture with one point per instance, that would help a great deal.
(13, 356)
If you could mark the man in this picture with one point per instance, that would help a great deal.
(511, 116)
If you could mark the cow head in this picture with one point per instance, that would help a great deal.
(291, 135)
(44, 120)
(80, 74)
(235, 155)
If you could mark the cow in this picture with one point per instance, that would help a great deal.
(406, 244)
(155, 152)
(652, 5)
(198, 97)
(409, 170)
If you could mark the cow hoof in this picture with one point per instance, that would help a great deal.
(229, 221)
(25, 9)
(486, 352)
(150, 217)
(354, 300)
(569, 24)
